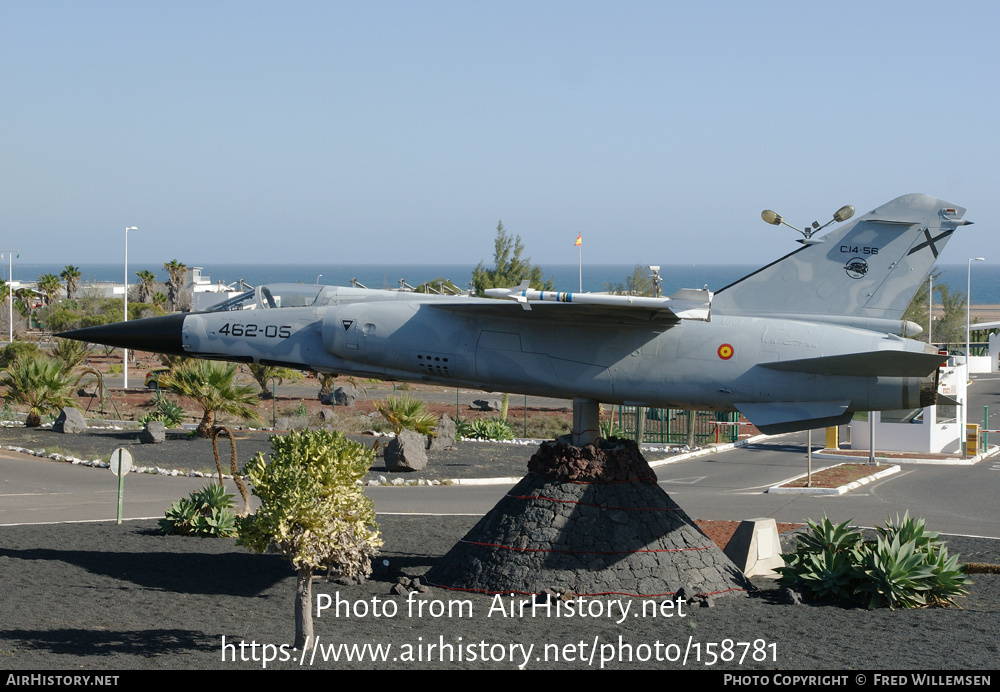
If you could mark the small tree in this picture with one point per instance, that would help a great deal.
(638, 283)
(508, 270)
(313, 510)
(950, 329)
(508, 267)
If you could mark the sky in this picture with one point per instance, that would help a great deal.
(402, 132)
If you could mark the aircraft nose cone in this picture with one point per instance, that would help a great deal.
(156, 334)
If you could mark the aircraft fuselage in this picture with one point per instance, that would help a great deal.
(417, 340)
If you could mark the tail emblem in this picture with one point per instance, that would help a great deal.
(856, 268)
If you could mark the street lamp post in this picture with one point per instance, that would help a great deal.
(10, 293)
(125, 351)
(968, 311)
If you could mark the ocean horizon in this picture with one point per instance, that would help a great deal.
(565, 277)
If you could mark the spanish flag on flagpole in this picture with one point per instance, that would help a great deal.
(579, 244)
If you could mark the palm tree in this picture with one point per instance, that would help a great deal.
(39, 383)
(49, 285)
(406, 413)
(147, 284)
(71, 275)
(212, 385)
(24, 301)
(70, 353)
(263, 373)
(178, 273)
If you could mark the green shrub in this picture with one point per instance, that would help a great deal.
(907, 567)
(313, 510)
(207, 512)
(11, 352)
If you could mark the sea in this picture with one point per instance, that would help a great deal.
(565, 277)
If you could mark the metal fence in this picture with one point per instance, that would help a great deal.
(670, 426)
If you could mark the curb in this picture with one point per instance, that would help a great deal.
(709, 450)
(910, 460)
(888, 471)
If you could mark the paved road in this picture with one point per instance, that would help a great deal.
(953, 499)
(727, 485)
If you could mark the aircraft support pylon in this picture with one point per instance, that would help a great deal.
(586, 422)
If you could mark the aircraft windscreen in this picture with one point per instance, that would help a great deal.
(289, 296)
(272, 296)
(244, 301)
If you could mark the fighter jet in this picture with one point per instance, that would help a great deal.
(802, 343)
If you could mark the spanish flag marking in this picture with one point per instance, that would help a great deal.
(725, 351)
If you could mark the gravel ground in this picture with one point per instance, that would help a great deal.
(106, 597)
(101, 597)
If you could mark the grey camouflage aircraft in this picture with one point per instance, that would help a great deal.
(802, 343)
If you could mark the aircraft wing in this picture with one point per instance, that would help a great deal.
(556, 306)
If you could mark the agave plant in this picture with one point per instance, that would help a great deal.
(825, 560)
(828, 574)
(907, 567)
(826, 536)
(949, 580)
(908, 531)
(894, 574)
(207, 512)
(610, 429)
(490, 429)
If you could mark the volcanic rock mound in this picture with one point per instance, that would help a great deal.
(587, 520)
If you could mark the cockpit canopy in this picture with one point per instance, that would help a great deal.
(276, 296)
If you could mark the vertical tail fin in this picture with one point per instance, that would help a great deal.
(868, 268)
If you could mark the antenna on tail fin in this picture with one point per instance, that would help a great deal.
(868, 269)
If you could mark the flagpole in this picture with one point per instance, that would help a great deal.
(579, 244)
